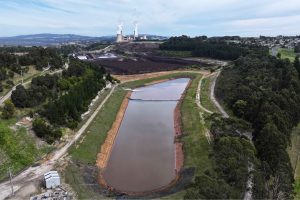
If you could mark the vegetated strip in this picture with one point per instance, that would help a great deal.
(106, 147)
(205, 94)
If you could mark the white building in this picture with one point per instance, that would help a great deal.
(52, 179)
(82, 57)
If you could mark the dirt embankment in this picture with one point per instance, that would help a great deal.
(179, 155)
(106, 148)
(128, 78)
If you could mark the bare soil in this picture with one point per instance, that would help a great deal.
(135, 77)
(146, 64)
(179, 155)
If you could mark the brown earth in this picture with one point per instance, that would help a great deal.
(179, 155)
(106, 148)
(128, 78)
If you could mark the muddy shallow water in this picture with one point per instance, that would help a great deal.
(143, 155)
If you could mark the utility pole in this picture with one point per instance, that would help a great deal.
(12, 187)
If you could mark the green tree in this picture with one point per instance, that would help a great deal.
(297, 64)
(20, 97)
(278, 55)
(239, 107)
(8, 109)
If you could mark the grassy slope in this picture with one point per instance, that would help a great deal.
(196, 147)
(294, 151)
(17, 149)
(89, 148)
(205, 95)
(287, 53)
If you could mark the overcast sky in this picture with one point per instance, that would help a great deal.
(161, 17)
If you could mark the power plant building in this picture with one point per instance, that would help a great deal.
(121, 38)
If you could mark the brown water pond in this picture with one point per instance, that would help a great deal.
(143, 155)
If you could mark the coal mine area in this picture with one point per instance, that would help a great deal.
(146, 64)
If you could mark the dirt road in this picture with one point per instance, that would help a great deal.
(213, 98)
(198, 93)
(33, 173)
(128, 78)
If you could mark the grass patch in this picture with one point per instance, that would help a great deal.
(17, 149)
(205, 95)
(287, 53)
(294, 153)
(196, 147)
(86, 152)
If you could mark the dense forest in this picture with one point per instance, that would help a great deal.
(66, 109)
(217, 48)
(265, 91)
(297, 48)
(61, 99)
(230, 156)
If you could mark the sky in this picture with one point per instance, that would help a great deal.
(160, 17)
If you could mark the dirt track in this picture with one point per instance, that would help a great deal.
(128, 78)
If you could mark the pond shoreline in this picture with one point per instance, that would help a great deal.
(106, 148)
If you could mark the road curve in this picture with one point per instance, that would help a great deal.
(213, 98)
(33, 173)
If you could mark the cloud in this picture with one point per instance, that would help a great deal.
(168, 17)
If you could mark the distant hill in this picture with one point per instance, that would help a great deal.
(57, 39)
(50, 39)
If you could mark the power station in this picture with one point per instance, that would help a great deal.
(121, 38)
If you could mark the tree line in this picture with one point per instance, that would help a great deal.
(217, 48)
(37, 56)
(265, 91)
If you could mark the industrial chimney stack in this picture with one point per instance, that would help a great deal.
(120, 36)
(135, 32)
